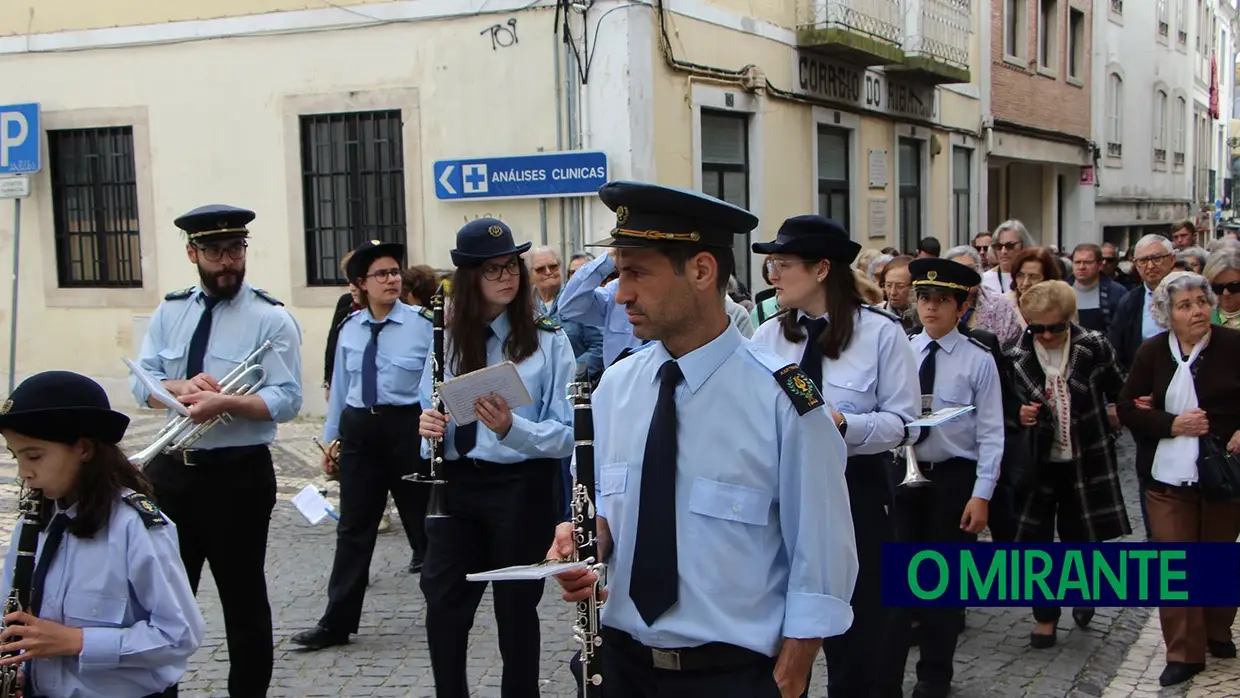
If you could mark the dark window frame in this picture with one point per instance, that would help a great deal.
(95, 212)
(353, 166)
(717, 172)
(911, 194)
(963, 221)
(828, 187)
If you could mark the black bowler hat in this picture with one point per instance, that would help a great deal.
(62, 406)
(939, 273)
(483, 239)
(215, 220)
(368, 252)
(650, 214)
(813, 237)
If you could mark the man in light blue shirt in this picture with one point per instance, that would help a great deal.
(728, 533)
(198, 336)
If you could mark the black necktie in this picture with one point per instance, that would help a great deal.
(655, 579)
(198, 344)
(926, 374)
(370, 366)
(55, 534)
(466, 436)
(811, 360)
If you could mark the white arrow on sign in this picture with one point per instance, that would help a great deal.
(443, 179)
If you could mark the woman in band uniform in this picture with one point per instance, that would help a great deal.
(861, 359)
(111, 611)
(502, 469)
(373, 411)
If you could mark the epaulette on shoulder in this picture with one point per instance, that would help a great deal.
(426, 313)
(180, 294)
(267, 297)
(979, 344)
(799, 388)
(147, 511)
(546, 324)
(879, 311)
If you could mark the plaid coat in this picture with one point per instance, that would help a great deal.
(1094, 379)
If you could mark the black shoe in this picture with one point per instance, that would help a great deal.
(318, 638)
(1223, 649)
(1179, 672)
(932, 689)
(1043, 642)
(415, 564)
(1082, 616)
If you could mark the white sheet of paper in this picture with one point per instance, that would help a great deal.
(944, 415)
(461, 393)
(157, 389)
(313, 505)
(541, 570)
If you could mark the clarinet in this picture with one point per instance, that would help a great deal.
(586, 629)
(31, 507)
(436, 507)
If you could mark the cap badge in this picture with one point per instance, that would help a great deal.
(495, 231)
(375, 242)
(622, 215)
(8, 405)
(932, 275)
(222, 225)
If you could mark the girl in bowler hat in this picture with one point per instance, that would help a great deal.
(501, 469)
(110, 610)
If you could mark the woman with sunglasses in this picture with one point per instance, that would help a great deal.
(501, 469)
(1223, 271)
(1066, 376)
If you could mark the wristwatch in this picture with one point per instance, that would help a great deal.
(842, 425)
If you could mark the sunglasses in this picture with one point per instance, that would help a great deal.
(1053, 329)
(1233, 288)
(1007, 246)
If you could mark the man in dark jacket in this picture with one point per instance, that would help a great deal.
(1097, 296)
(1153, 258)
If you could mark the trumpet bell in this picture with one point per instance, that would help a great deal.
(913, 476)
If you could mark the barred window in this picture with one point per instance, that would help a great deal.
(353, 187)
(725, 171)
(95, 208)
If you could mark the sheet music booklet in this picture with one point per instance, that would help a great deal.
(157, 389)
(538, 570)
(461, 393)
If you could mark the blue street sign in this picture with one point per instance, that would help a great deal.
(541, 176)
(19, 139)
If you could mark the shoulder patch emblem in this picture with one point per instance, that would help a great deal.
(426, 313)
(180, 294)
(267, 297)
(547, 324)
(147, 511)
(879, 311)
(804, 394)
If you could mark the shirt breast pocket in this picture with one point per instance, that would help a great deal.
(172, 360)
(850, 391)
(93, 610)
(407, 369)
(956, 395)
(613, 479)
(728, 521)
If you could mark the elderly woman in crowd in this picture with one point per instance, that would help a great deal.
(1030, 266)
(987, 310)
(1009, 240)
(1065, 376)
(1191, 259)
(1182, 389)
(1222, 270)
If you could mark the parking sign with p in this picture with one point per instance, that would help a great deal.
(19, 139)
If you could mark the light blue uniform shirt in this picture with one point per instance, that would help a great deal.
(238, 327)
(541, 429)
(965, 374)
(404, 344)
(583, 301)
(873, 384)
(764, 533)
(127, 588)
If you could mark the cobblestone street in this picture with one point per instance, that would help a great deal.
(1120, 654)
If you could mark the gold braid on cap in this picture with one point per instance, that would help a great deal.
(942, 284)
(218, 231)
(657, 235)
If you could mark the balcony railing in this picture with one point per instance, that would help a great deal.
(937, 49)
(865, 32)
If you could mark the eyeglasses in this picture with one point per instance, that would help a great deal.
(1030, 278)
(495, 272)
(894, 286)
(1006, 246)
(981, 249)
(1108, 260)
(1149, 261)
(1043, 329)
(215, 253)
(384, 274)
(1232, 287)
(547, 269)
(775, 267)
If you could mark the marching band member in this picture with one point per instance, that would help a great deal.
(860, 358)
(195, 338)
(686, 490)
(501, 470)
(961, 458)
(373, 411)
(111, 612)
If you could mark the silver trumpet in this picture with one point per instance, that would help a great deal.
(181, 432)
(913, 476)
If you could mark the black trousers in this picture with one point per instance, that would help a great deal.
(624, 676)
(377, 448)
(233, 540)
(498, 515)
(1055, 504)
(929, 515)
(854, 659)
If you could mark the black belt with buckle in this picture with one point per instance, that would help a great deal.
(713, 655)
(215, 456)
(389, 409)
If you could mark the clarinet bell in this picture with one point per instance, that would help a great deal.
(437, 506)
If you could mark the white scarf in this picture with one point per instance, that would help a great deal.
(1175, 461)
(1059, 398)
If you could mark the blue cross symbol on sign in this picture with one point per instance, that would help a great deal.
(474, 178)
(538, 176)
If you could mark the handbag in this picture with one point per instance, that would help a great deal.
(1218, 471)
